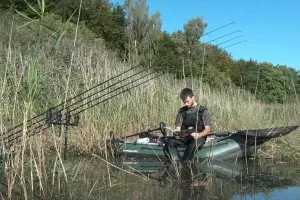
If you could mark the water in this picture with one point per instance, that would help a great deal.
(291, 193)
(240, 180)
(93, 177)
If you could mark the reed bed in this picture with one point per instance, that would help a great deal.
(36, 77)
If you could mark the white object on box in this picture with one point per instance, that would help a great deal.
(145, 140)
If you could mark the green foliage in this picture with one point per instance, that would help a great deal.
(36, 70)
(24, 31)
(193, 30)
(42, 50)
(136, 36)
(217, 67)
(268, 82)
(167, 59)
(103, 18)
(245, 74)
(142, 31)
(270, 85)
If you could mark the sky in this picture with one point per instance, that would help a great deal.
(268, 30)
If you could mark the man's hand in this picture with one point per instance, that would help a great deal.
(196, 136)
(205, 132)
(179, 134)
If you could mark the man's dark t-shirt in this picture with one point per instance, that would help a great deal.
(192, 111)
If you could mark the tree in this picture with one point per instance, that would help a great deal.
(263, 79)
(167, 59)
(193, 30)
(271, 84)
(188, 45)
(142, 31)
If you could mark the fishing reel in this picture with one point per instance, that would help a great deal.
(163, 126)
(56, 118)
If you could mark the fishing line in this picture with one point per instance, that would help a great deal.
(230, 40)
(221, 37)
(218, 29)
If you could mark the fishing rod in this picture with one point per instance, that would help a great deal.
(200, 36)
(70, 99)
(93, 94)
(123, 79)
(141, 133)
(68, 107)
(120, 92)
(214, 30)
(37, 129)
(31, 122)
(230, 40)
(87, 102)
(222, 37)
(217, 29)
(207, 34)
(234, 44)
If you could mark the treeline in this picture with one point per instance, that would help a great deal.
(136, 36)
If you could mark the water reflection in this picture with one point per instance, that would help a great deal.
(245, 179)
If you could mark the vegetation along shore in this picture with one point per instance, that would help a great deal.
(48, 56)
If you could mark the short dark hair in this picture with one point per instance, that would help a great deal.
(186, 92)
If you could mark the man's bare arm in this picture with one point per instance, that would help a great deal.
(205, 132)
(177, 128)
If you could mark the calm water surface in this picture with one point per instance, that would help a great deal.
(131, 178)
(246, 179)
(292, 193)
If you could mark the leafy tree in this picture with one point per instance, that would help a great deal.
(219, 66)
(104, 19)
(133, 33)
(142, 31)
(193, 30)
(188, 46)
(167, 58)
(290, 76)
(263, 79)
(271, 84)
(245, 74)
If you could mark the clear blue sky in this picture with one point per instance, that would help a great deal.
(270, 27)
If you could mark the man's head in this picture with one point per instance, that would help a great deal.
(187, 97)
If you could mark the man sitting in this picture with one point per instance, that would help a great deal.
(194, 122)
